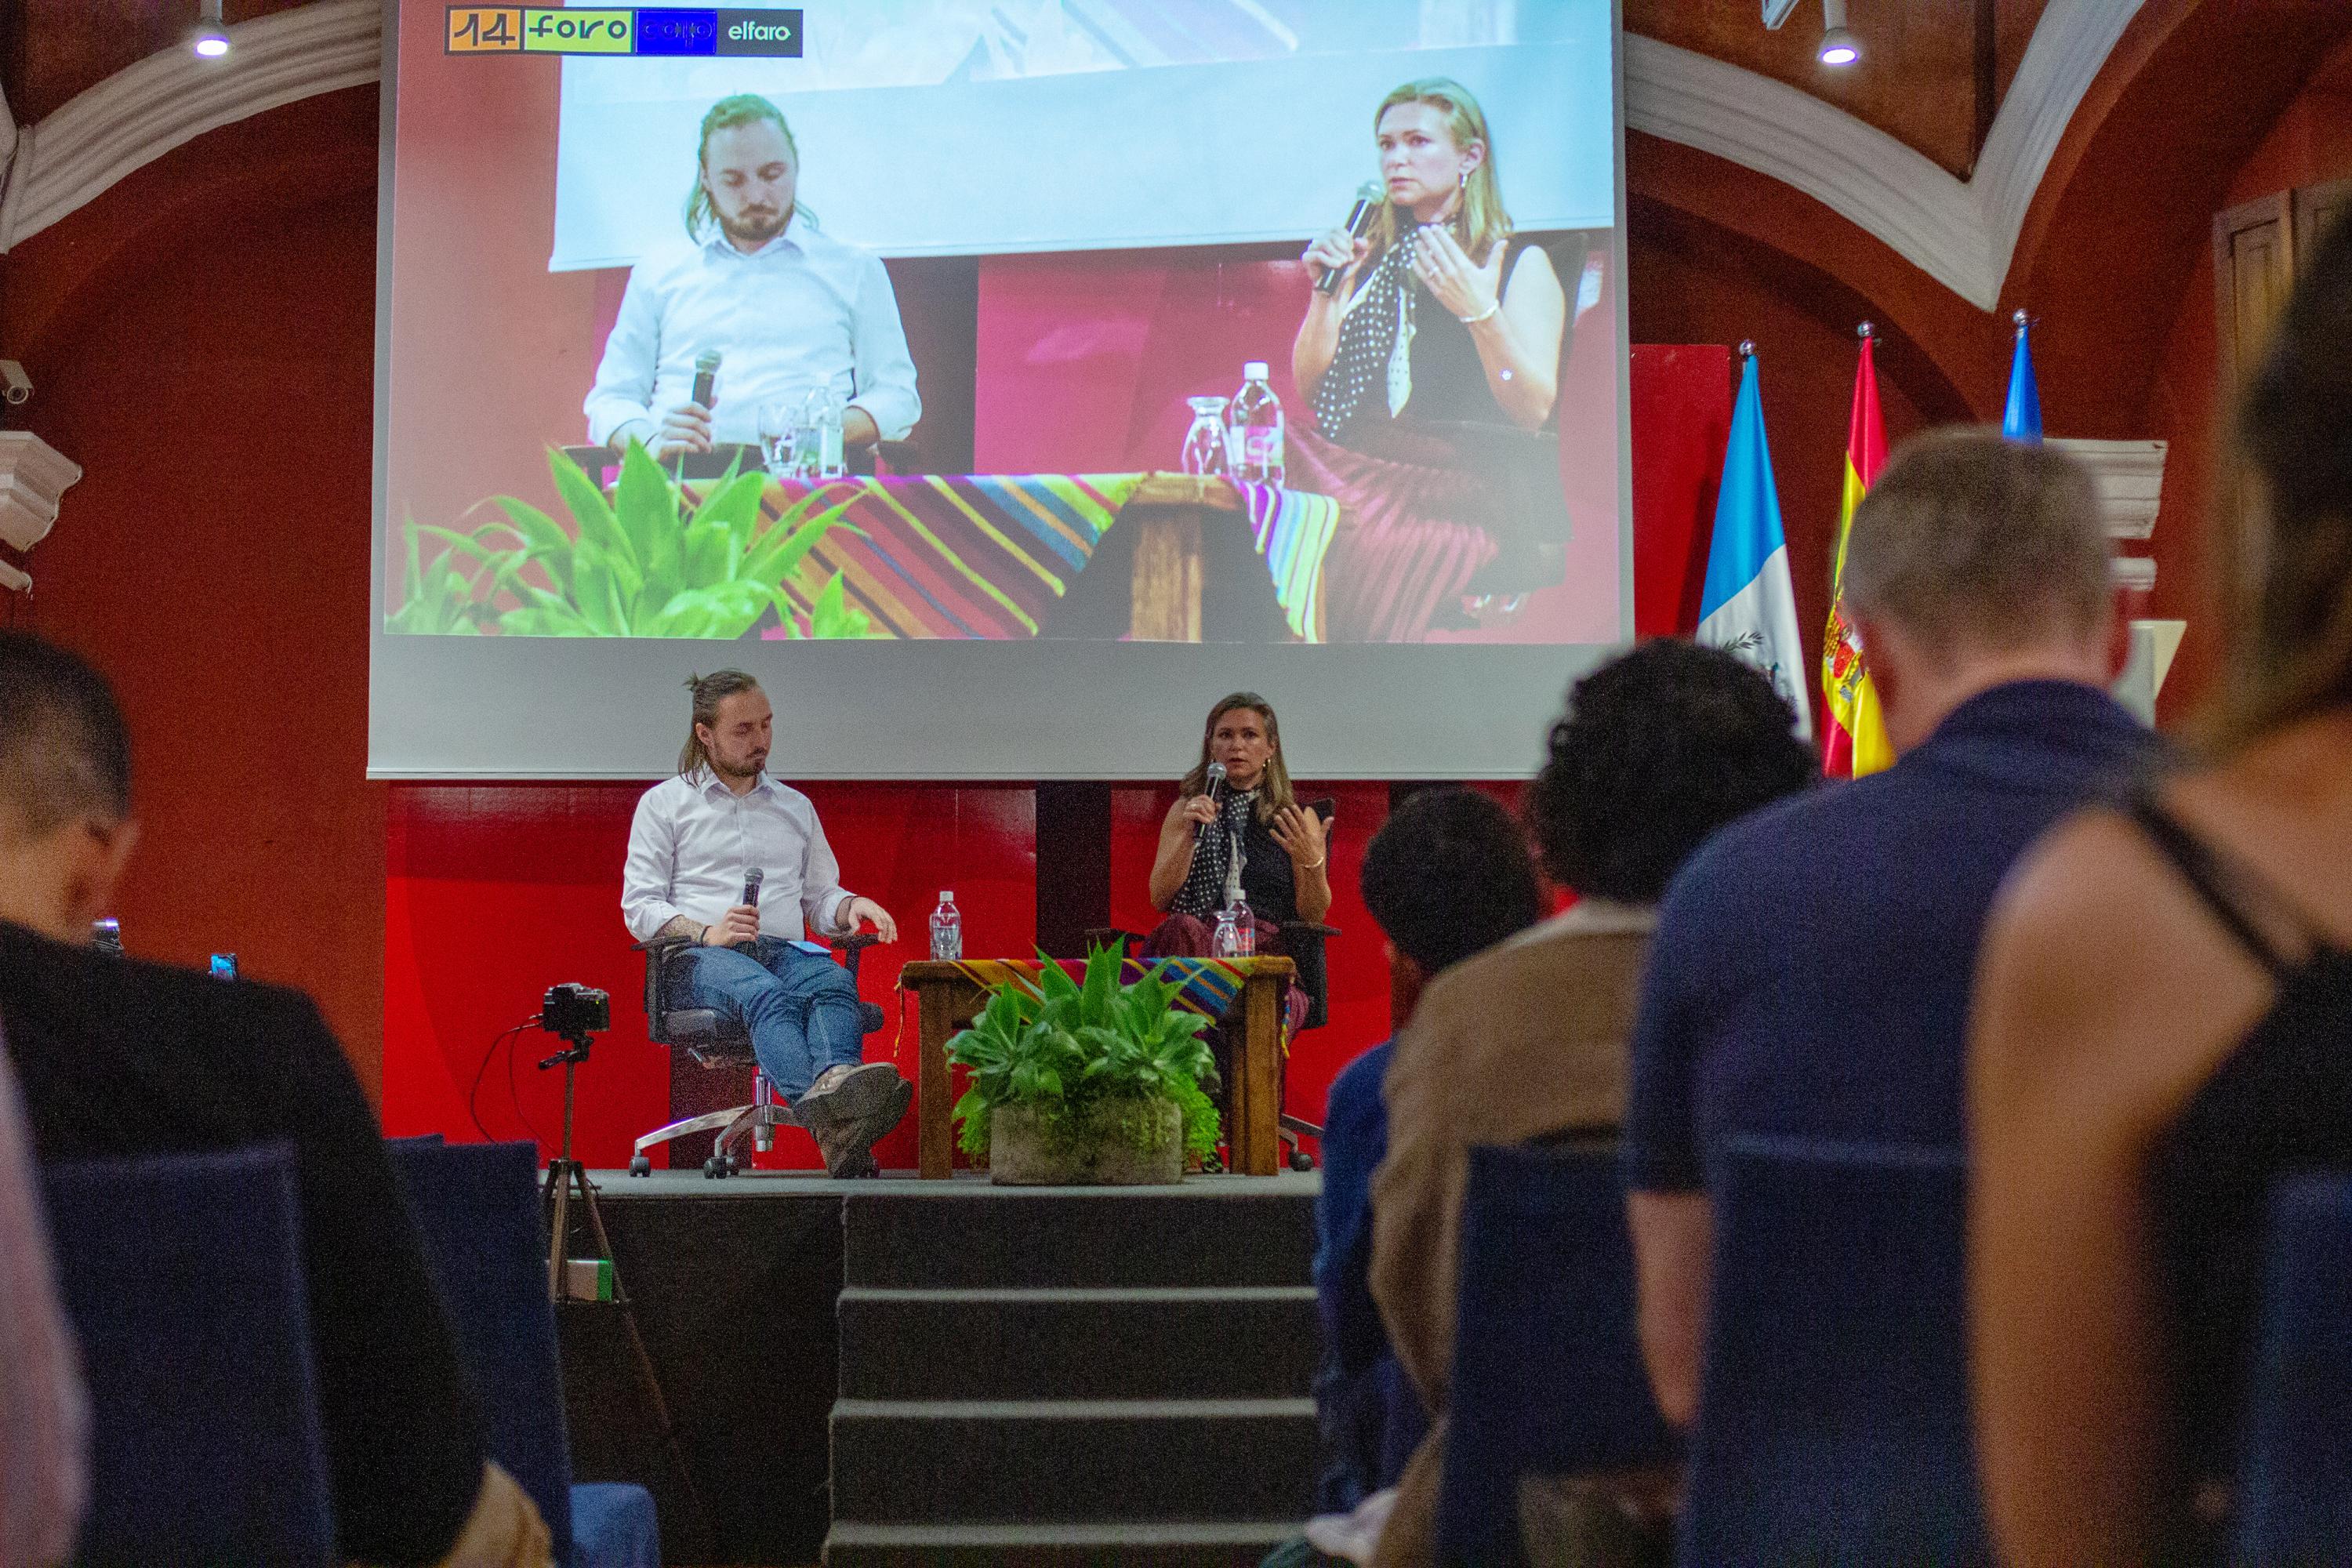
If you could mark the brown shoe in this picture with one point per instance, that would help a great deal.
(847, 1145)
(847, 1109)
(843, 1094)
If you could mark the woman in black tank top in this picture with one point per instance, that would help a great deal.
(1431, 369)
(2163, 1031)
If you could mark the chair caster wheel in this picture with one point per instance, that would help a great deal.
(641, 1165)
(715, 1168)
(1300, 1160)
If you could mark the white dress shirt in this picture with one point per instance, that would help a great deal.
(694, 839)
(802, 312)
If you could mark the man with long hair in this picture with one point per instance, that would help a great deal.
(694, 839)
(790, 309)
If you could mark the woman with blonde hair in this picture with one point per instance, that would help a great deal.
(1250, 840)
(1433, 368)
(2163, 1004)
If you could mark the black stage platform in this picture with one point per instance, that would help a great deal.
(1160, 1338)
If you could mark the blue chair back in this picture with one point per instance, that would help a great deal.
(2295, 1478)
(1548, 1375)
(477, 1206)
(184, 1280)
(1833, 1404)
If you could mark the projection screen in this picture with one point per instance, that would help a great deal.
(898, 352)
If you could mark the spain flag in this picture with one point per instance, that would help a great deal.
(1853, 740)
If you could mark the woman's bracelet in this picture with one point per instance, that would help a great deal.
(1492, 307)
(1317, 867)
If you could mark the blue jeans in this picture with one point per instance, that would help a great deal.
(799, 1007)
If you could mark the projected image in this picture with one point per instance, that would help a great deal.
(1269, 322)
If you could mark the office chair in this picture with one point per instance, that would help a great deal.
(714, 1042)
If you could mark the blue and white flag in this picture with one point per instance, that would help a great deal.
(2021, 420)
(1749, 606)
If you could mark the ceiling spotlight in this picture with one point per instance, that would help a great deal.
(211, 39)
(1838, 45)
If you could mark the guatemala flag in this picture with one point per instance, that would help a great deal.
(2021, 420)
(1749, 607)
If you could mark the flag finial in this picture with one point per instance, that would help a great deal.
(1747, 348)
(2019, 318)
(1865, 330)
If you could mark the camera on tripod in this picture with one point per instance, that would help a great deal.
(571, 1009)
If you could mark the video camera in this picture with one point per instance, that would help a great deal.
(573, 1009)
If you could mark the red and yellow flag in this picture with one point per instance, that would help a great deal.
(1853, 741)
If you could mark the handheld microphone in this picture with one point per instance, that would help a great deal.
(751, 881)
(1213, 784)
(706, 375)
(1359, 224)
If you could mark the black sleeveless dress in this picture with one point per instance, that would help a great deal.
(1446, 497)
(2279, 1105)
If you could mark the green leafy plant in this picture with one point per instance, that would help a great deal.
(639, 564)
(1073, 1044)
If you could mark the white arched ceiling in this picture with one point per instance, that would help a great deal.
(1962, 233)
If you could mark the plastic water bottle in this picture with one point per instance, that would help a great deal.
(820, 436)
(1245, 929)
(947, 929)
(1254, 428)
(1225, 941)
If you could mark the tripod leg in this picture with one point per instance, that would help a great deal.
(559, 1190)
(645, 1361)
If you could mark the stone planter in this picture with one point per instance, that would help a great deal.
(1117, 1144)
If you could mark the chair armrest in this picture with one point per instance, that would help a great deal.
(1310, 928)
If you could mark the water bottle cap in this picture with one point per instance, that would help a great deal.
(947, 896)
(1254, 371)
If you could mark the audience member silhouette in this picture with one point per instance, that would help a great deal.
(224, 1066)
(1811, 968)
(1657, 750)
(2162, 1015)
(1446, 877)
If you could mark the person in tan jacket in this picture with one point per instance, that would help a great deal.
(1657, 750)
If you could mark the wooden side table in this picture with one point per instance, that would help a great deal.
(949, 999)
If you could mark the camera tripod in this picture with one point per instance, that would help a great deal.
(566, 1177)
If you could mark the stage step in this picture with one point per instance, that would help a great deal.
(1217, 1231)
(1135, 1545)
(1057, 1377)
(1188, 1342)
(1004, 1461)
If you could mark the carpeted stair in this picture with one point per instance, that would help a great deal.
(1058, 1377)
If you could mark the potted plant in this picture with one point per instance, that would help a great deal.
(1086, 1082)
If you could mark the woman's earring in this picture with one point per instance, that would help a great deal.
(1461, 181)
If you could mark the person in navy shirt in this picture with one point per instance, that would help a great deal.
(1446, 877)
(1811, 969)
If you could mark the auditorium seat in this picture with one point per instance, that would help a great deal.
(2295, 1482)
(478, 1207)
(184, 1280)
(1833, 1416)
(1548, 1375)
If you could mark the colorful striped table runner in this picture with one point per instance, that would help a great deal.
(985, 556)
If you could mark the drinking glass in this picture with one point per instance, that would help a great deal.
(778, 435)
(1204, 443)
